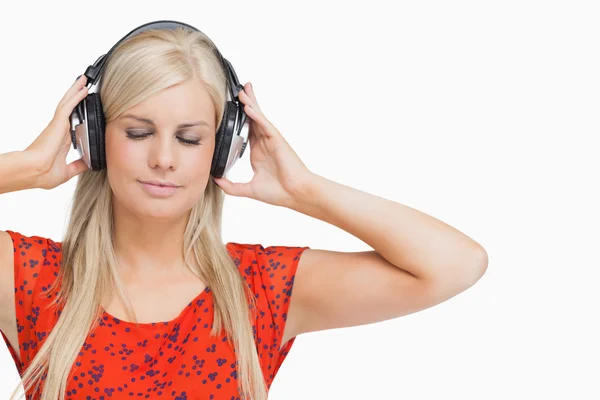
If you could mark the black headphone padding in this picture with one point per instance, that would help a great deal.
(96, 126)
(222, 140)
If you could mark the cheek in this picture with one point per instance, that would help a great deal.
(119, 150)
(197, 168)
(112, 145)
(120, 161)
(198, 161)
(126, 159)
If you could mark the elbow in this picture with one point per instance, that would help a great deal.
(463, 273)
(476, 266)
(460, 276)
(466, 272)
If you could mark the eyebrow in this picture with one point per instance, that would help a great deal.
(149, 121)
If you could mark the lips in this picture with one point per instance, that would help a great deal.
(159, 191)
(161, 183)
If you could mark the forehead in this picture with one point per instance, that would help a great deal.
(185, 101)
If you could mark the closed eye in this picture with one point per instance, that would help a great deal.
(187, 142)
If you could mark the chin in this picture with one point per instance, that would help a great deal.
(156, 211)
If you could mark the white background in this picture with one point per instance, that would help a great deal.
(481, 114)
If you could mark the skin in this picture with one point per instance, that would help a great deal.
(148, 236)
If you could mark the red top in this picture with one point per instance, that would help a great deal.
(177, 359)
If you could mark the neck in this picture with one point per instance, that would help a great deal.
(148, 247)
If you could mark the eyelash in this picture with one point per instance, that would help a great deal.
(184, 141)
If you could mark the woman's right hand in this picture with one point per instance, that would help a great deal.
(49, 150)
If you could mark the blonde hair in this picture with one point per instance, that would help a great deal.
(140, 67)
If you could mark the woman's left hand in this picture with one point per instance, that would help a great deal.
(279, 174)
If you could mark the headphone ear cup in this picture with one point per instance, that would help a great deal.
(96, 127)
(223, 139)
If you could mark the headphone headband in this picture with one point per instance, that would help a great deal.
(93, 71)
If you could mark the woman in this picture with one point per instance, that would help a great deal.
(141, 298)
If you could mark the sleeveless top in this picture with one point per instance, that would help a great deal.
(175, 359)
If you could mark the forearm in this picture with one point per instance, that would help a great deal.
(17, 172)
(414, 241)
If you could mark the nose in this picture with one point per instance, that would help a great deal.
(162, 152)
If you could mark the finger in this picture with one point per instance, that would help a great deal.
(245, 98)
(67, 108)
(261, 120)
(249, 93)
(251, 112)
(76, 167)
(233, 189)
(75, 87)
(250, 90)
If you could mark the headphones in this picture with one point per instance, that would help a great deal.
(88, 124)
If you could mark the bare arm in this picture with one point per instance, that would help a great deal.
(18, 171)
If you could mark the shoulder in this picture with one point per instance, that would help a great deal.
(24, 245)
(36, 263)
(269, 271)
(262, 252)
(256, 258)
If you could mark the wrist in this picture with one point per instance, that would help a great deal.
(18, 171)
(307, 192)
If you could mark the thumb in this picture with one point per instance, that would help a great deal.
(233, 189)
(76, 167)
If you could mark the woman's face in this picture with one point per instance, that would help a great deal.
(166, 120)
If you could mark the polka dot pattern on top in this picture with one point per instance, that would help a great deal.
(175, 359)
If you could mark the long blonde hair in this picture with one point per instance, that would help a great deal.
(140, 67)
